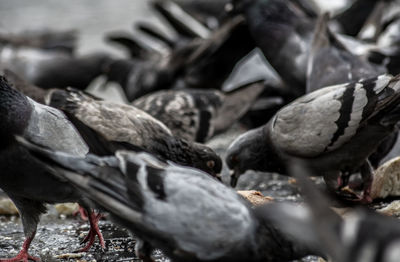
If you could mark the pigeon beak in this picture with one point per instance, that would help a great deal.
(234, 177)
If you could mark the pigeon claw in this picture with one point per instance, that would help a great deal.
(93, 232)
(23, 255)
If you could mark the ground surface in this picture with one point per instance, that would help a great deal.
(60, 235)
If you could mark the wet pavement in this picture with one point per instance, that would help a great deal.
(59, 235)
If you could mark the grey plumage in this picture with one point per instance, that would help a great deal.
(333, 130)
(183, 211)
(27, 182)
(197, 114)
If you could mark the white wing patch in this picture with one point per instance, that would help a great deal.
(381, 82)
(360, 101)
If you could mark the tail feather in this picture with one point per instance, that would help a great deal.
(182, 22)
(236, 104)
(136, 49)
(156, 33)
(98, 178)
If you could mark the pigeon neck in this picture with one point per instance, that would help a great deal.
(274, 162)
(119, 71)
(15, 111)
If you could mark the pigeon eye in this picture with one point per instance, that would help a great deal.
(211, 163)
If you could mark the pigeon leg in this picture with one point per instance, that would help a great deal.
(367, 177)
(82, 212)
(143, 250)
(23, 255)
(93, 232)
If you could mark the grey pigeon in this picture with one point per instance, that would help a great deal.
(198, 114)
(182, 211)
(25, 180)
(330, 63)
(132, 127)
(332, 130)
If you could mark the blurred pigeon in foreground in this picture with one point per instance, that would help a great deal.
(198, 114)
(131, 128)
(362, 235)
(25, 180)
(332, 130)
(182, 211)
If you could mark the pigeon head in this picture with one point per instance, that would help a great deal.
(252, 151)
(206, 159)
(15, 110)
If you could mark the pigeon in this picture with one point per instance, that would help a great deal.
(132, 129)
(283, 33)
(27, 182)
(49, 69)
(64, 41)
(332, 130)
(198, 114)
(180, 210)
(331, 64)
(199, 63)
(361, 235)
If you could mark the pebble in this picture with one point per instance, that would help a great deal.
(7, 207)
(393, 209)
(387, 180)
(256, 198)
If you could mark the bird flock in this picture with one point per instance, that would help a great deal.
(319, 93)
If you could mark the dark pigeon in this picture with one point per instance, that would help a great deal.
(25, 180)
(199, 63)
(131, 127)
(283, 33)
(332, 130)
(182, 211)
(49, 69)
(198, 114)
(60, 41)
(330, 64)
